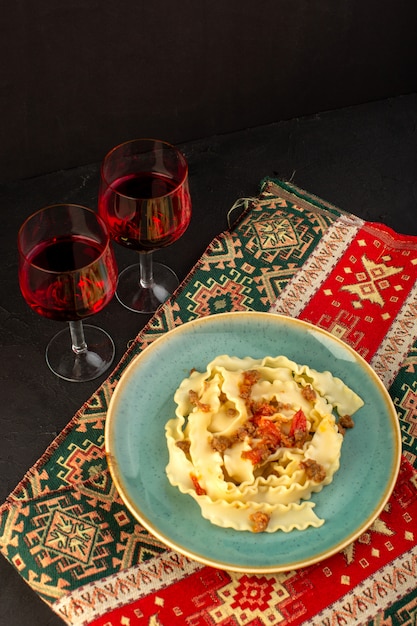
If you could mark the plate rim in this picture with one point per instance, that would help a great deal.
(251, 569)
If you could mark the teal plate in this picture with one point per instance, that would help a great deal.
(137, 453)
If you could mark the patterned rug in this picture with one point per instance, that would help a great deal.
(67, 532)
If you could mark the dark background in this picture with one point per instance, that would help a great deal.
(79, 76)
(322, 92)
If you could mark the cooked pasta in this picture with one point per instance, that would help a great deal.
(253, 439)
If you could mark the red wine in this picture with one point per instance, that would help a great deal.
(146, 211)
(66, 255)
(145, 186)
(68, 278)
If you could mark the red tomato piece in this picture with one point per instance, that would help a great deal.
(299, 422)
(198, 488)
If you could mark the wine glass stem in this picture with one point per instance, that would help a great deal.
(146, 269)
(79, 345)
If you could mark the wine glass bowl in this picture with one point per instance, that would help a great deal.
(67, 272)
(145, 201)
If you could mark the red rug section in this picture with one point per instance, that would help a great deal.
(375, 270)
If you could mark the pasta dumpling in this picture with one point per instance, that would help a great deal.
(253, 439)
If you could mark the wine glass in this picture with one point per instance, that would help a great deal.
(145, 201)
(67, 271)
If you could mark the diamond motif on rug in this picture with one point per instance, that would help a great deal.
(372, 281)
(274, 234)
(70, 536)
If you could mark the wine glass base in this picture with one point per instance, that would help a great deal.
(133, 296)
(88, 364)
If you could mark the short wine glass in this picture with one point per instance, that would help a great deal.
(145, 201)
(67, 272)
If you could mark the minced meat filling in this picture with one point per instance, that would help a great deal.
(313, 470)
(259, 521)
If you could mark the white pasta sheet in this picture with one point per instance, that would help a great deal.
(231, 486)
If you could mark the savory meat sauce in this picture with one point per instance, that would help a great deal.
(274, 436)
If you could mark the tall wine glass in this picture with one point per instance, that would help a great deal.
(67, 272)
(145, 201)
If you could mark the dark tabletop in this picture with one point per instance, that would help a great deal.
(362, 159)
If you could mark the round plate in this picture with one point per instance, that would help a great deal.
(137, 452)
